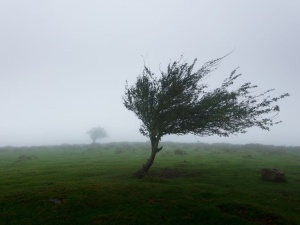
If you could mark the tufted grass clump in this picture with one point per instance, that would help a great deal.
(179, 152)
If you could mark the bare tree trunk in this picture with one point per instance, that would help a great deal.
(154, 150)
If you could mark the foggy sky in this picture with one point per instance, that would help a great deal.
(63, 64)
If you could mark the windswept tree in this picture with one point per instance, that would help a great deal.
(97, 133)
(178, 103)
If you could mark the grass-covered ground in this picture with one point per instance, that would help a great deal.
(188, 184)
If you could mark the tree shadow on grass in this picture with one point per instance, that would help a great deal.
(170, 173)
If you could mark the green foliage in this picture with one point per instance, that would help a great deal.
(178, 103)
(97, 133)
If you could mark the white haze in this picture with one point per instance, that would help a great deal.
(63, 64)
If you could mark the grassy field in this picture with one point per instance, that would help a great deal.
(188, 184)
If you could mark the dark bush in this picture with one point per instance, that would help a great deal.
(166, 153)
(179, 152)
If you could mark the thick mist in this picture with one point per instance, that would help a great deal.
(63, 65)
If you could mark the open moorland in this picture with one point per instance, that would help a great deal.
(188, 184)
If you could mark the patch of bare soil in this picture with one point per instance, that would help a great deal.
(58, 201)
(169, 173)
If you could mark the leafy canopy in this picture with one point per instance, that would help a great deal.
(97, 133)
(178, 103)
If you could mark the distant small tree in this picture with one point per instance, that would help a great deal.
(178, 103)
(97, 133)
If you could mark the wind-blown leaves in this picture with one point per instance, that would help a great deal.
(178, 103)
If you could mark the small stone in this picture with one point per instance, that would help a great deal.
(55, 200)
(273, 175)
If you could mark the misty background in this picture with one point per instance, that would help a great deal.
(64, 64)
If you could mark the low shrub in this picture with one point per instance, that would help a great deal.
(179, 152)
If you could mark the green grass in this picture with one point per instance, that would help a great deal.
(212, 184)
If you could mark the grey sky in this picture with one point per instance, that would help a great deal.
(63, 64)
